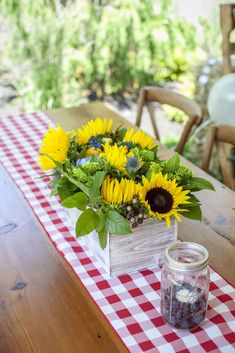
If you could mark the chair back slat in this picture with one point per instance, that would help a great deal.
(218, 136)
(226, 134)
(166, 96)
(150, 94)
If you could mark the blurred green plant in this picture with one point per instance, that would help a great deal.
(174, 114)
(171, 141)
(70, 49)
(211, 34)
(37, 42)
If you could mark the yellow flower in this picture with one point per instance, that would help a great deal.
(131, 154)
(163, 197)
(55, 144)
(116, 192)
(116, 156)
(94, 128)
(139, 137)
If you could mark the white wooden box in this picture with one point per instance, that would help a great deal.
(127, 253)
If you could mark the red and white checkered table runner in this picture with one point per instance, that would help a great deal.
(131, 303)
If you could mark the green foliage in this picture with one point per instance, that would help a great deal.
(211, 40)
(193, 213)
(105, 47)
(77, 183)
(116, 223)
(63, 187)
(181, 175)
(80, 175)
(197, 184)
(96, 184)
(78, 200)
(38, 33)
(135, 42)
(102, 237)
(101, 229)
(92, 167)
(192, 210)
(87, 222)
(193, 201)
(174, 114)
(172, 164)
(154, 168)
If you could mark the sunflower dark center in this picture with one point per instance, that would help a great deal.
(159, 200)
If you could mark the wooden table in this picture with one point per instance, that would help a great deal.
(43, 306)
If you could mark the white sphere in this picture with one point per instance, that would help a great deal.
(221, 100)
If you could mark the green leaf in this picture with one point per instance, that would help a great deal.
(53, 192)
(103, 237)
(155, 149)
(193, 213)
(172, 164)
(64, 193)
(102, 220)
(193, 201)
(121, 133)
(78, 200)
(116, 223)
(55, 182)
(65, 188)
(101, 229)
(86, 223)
(84, 188)
(197, 184)
(96, 184)
(82, 154)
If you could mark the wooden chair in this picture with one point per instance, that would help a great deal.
(227, 19)
(148, 95)
(219, 135)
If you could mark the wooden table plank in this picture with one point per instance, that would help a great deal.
(43, 306)
(217, 229)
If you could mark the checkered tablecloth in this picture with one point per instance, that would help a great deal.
(131, 303)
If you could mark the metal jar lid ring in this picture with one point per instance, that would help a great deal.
(195, 248)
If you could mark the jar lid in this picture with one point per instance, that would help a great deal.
(186, 256)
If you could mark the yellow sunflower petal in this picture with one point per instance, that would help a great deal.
(45, 163)
(55, 144)
(116, 192)
(115, 156)
(94, 128)
(139, 137)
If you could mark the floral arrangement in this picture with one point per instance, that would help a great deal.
(117, 179)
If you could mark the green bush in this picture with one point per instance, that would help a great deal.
(71, 48)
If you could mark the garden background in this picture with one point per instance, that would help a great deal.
(61, 53)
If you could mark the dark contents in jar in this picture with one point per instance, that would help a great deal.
(184, 306)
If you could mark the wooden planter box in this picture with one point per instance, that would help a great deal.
(127, 253)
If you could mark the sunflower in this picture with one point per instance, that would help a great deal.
(116, 192)
(55, 145)
(139, 137)
(94, 128)
(116, 156)
(163, 197)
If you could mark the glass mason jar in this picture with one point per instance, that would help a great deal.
(184, 284)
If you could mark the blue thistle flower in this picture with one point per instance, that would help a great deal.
(94, 143)
(132, 163)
